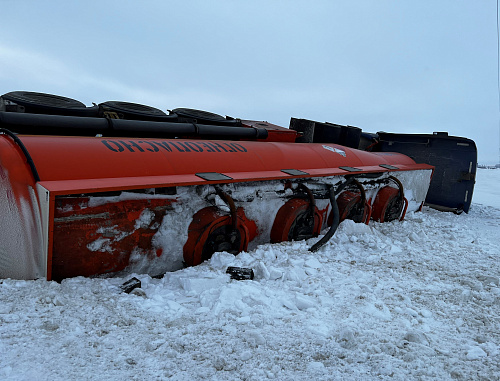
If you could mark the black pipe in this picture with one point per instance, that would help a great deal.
(400, 186)
(40, 124)
(232, 207)
(336, 222)
(24, 150)
(332, 193)
(361, 191)
(312, 201)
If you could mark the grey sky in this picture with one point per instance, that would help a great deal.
(396, 66)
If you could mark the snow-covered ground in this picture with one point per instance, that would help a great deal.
(412, 300)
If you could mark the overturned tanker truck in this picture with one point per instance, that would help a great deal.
(120, 187)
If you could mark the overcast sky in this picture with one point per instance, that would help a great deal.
(395, 66)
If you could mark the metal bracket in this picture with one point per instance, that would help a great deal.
(351, 169)
(294, 172)
(213, 176)
(387, 166)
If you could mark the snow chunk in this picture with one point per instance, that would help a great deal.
(416, 337)
(426, 313)
(315, 367)
(261, 271)
(303, 302)
(243, 320)
(202, 310)
(379, 311)
(246, 355)
(289, 304)
(255, 338)
(198, 285)
(275, 273)
(475, 353)
(414, 237)
(411, 312)
(489, 280)
(221, 260)
(346, 338)
(353, 228)
(313, 263)
(395, 249)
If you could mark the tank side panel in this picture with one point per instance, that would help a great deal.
(70, 158)
(21, 250)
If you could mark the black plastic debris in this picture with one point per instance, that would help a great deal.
(240, 273)
(130, 285)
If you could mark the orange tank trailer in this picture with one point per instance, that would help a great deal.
(105, 204)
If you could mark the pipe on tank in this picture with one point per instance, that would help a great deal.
(40, 124)
(332, 193)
